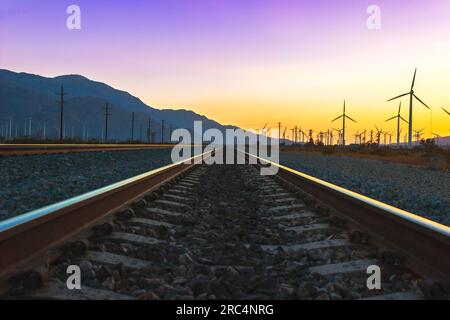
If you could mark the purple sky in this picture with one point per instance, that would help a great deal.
(231, 59)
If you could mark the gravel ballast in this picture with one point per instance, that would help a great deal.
(31, 182)
(417, 190)
(227, 238)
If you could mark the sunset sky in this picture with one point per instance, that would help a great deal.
(246, 62)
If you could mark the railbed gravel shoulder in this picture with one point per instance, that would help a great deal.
(31, 182)
(421, 191)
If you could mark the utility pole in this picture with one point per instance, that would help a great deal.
(45, 129)
(132, 127)
(170, 134)
(295, 135)
(279, 131)
(61, 103)
(107, 114)
(149, 130)
(162, 131)
(86, 132)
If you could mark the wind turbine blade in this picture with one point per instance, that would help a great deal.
(402, 95)
(403, 119)
(399, 108)
(446, 111)
(421, 101)
(414, 79)
(350, 118)
(337, 118)
(391, 119)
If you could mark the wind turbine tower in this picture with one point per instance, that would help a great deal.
(398, 117)
(411, 98)
(343, 116)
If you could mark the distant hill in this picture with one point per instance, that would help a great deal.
(24, 96)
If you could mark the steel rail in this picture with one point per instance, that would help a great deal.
(28, 149)
(424, 243)
(24, 237)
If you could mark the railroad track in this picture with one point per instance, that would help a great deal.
(31, 149)
(221, 232)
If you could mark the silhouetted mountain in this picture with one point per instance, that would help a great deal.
(24, 96)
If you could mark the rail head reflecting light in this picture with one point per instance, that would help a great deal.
(32, 215)
(432, 225)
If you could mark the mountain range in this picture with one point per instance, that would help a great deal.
(29, 100)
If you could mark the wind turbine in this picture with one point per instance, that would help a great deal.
(398, 117)
(262, 130)
(356, 136)
(310, 136)
(418, 134)
(343, 116)
(339, 131)
(411, 98)
(303, 135)
(390, 137)
(379, 133)
(360, 137)
(436, 135)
